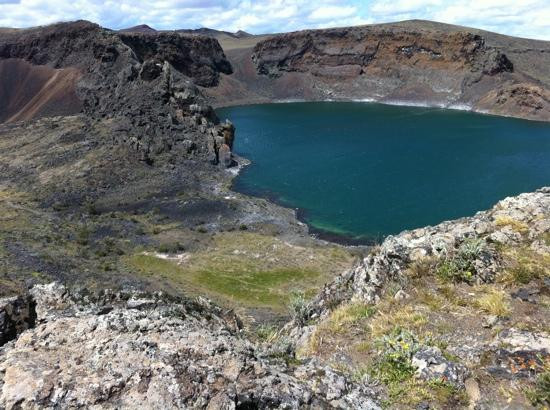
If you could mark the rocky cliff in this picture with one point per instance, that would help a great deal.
(131, 350)
(145, 84)
(464, 303)
(412, 62)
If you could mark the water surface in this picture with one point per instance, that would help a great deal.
(366, 170)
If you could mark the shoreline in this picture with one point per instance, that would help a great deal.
(369, 100)
(299, 213)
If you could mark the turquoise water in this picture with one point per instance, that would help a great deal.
(365, 170)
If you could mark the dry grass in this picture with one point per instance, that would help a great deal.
(494, 302)
(348, 315)
(394, 315)
(523, 266)
(516, 225)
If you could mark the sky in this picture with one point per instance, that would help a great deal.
(524, 18)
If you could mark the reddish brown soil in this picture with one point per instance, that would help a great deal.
(29, 91)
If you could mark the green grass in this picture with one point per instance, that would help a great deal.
(257, 287)
(247, 269)
(249, 287)
(540, 394)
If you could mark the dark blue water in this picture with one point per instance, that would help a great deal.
(368, 170)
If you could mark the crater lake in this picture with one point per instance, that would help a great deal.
(362, 171)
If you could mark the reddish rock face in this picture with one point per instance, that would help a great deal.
(356, 51)
(416, 62)
(32, 91)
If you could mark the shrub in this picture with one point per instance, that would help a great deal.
(172, 247)
(395, 362)
(83, 236)
(266, 333)
(460, 266)
(540, 394)
(298, 307)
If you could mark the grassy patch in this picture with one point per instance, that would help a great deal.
(348, 315)
(405, 317)
(524, 265)
(494, 302)
(256, 287)
(248, 269)
(503, 220)
(540, 394)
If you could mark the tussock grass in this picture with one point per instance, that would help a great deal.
(348, 315)
(405, 317)
(494, 302)
(518, 226)
(523, 266)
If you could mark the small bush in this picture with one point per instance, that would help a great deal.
(395, 362)
(266, 333)
(540, 394)
(460, 266)
(83, 236)
(298, 307)
(172, 247)
(91, 208)
(243, 228)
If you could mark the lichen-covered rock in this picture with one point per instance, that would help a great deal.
(430, 364)
(513, 221)
(117, 350)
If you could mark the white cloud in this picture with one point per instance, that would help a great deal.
(528, 18)
(332, 12)
(525, 18)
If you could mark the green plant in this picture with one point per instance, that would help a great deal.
(460, 266)
(91, 208)
(298, 307)
(266, 332)
(172, 247)
(82, 236)
(395, 361)
(540, 394)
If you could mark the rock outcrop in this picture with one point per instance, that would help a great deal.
(512, 221)
(365, 51)
(131, 350)
(144, 84)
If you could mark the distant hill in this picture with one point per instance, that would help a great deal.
(210, 32)
(142, 28)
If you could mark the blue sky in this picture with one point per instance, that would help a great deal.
(525, 18)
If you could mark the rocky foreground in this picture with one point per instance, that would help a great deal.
(129, 350)
(132, 350)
